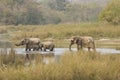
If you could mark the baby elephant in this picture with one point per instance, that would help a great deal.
(47, 45)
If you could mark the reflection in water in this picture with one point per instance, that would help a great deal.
(59, 51)
(43, 58)
(50, 57)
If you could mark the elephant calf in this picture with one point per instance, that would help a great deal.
(85, 41)
(48, 45)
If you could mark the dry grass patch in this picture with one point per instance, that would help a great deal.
(82, 65)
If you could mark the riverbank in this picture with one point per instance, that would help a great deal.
(105, 35)
(60, 31)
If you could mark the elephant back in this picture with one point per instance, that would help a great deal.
(35, 40)
(87, 41)
(48, 43)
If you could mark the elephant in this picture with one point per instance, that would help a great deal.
(31, 43)
(85, 41)
(47, 45)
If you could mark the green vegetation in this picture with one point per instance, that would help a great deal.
(71, 66)
(27, 18)
(64, 31)
(112, 12)
(16, 12)
(61, 33)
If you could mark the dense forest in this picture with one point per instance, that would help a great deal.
(34, 12)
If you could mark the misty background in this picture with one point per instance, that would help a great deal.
(40, 12)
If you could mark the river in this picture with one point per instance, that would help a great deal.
(59, 51)
(51, 56)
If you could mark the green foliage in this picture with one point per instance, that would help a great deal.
(112, 12)
(34, 12)
(61, 4)
(82, 12)
(20, 12)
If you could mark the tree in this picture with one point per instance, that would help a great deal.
(61, 4)
(82, 12)
(15, 12)
(111, 13)
(55, 4)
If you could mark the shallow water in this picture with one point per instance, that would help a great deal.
(59, 51)
(52, 56)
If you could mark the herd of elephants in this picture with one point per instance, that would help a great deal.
(35, 44)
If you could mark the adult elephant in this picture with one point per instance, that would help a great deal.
(31, 43)
(85, 41)
(47, 45)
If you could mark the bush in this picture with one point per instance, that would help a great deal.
(111, 13)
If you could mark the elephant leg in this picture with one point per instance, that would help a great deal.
(37, 49)
(40, 48)
(81, 47)
(33, 49)
(29, 49)
(26, 48)
(44, 48)
(51, 49)
(88, 48)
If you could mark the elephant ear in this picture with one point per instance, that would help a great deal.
(27, 40)
(75, 39)
(22, 42)
(79, 41)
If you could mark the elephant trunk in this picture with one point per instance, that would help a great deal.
(70, 47)
(17, 44)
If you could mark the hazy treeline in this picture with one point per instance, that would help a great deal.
(48, 11)
(111, 13)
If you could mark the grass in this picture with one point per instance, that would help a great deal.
(82, 65)
(61, 33)
(64, 31)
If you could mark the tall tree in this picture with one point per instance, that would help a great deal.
(111, 13)
(20, 12)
